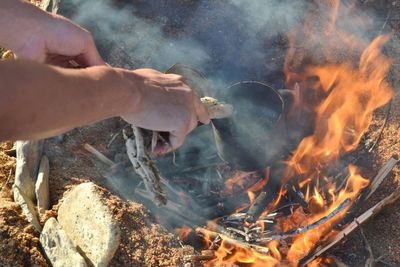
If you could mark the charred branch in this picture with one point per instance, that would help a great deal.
(256, 208)
(239, 243)
(304, 229)
(269, 193)
(297, 195)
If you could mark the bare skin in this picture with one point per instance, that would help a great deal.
(41, 97)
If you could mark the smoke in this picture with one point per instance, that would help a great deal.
(132, 40)
(229, 40)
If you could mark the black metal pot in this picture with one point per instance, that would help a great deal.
(255, 136)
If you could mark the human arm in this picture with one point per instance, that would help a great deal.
(39, 100)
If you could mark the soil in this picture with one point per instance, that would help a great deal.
(143, 242)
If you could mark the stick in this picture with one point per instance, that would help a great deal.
(296, 195)
(256, 207)
(198, 257)
(306, 228)
(113, 139)
(100, 156)
(382, 174)
(352, 226)
(370, 260)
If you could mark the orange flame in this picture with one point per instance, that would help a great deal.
(183, 232)
(237, 179)
(340, 91)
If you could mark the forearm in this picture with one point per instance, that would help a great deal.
(39, 100)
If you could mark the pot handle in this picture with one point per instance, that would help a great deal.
(289, 98)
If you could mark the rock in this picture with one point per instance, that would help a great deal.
(58, 246)
(42, 186)
(89, 223)
(29, 154)
(27, 206)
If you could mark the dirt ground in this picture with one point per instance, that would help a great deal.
(143, 243)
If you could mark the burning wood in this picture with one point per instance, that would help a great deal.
(206, 255)
(213, 235)
(234, 230)
(306, 228)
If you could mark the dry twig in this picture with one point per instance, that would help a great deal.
(144, 166)
(100, 156)
(382, 174)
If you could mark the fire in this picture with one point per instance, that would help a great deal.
(238, 179)
(183, 232)
(340, 91)
(346, 112)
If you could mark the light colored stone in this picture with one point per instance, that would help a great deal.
(27, 206)
(58, 246)
(29, 154)
(89, 223)
(42, 186)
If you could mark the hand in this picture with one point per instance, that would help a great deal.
(166, 104)
(46, 38)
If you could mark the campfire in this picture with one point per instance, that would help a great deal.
(292, 209)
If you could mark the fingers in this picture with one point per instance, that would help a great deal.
(176, 138)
